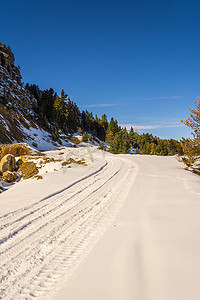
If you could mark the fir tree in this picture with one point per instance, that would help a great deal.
(85, 137)
(110, 138)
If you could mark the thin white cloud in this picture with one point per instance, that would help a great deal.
(158, 98)
(124, 101)
(160, 124)
(138, 127)
(100, 105)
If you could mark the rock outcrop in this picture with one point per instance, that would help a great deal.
(8, 163)
(28, 169)
(11, 89)
(19, 120)
(7, 60)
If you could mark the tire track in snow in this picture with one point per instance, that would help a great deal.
(20, 212)
(53, 242)
(18, 221)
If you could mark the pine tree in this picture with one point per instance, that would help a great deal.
(113, 126)
(121, 142)
(110, 138)
(85, 137)
(73, 115)
(104, 122)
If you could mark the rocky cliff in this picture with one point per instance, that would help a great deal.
(12, 92)
(17, 105)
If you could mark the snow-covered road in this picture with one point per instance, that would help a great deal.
(130, 229)
(152, 250)
(44, 241)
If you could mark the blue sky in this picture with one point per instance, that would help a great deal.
(137, 61)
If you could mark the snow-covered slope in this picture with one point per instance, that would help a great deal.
(15, 127)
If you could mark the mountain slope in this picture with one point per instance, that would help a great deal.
(17, 107)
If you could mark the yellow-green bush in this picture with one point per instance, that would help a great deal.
(74, 140)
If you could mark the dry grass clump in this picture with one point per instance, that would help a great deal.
(65, 163)
(74, 140)
(15, 149)
(47, 160)
(38, 177)
(28, 169)
(74, 161)
(40, 153)
(9, 176)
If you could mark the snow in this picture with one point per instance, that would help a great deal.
(55, 177)
(4, 123)
(40, 139)
(122, 227)
(78, 136)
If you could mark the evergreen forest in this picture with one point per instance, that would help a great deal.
(59, 115)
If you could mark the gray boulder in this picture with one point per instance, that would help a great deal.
(8, 163)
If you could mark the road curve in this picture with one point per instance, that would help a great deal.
(151, 250)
